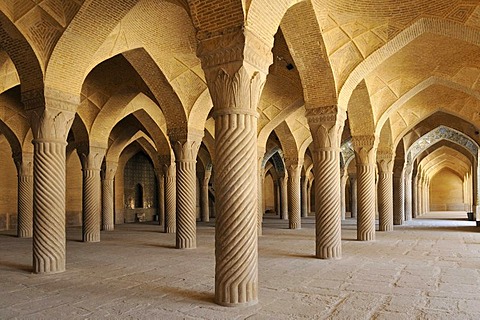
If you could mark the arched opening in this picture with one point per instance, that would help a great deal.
(446, 191)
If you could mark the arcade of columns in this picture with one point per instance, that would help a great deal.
(363, 103)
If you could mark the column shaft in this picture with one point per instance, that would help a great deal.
(91, 205)
(304, 197)
(353, 185)
(385, 201)
(236, 266)
(49, 206)
(161, 199)
(366, 202)
(284, 197)
(24, 163)
(186, 206)
(343, 183)
(294, 209)
(108, 223)
(327, 204)
(399, 201)
(170, 199)
(204, 200)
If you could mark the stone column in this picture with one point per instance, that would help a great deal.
(276, 195)
(284, 196)
(260, 180)
(108, 214)
(353, 193)
(50, 127)
(309, 197)
(170, 198)
(343, 184)
(205, 204)
(398, 197)
(91, 159)
(185, 157)
(24, 163)
(236, 65)
(414, 185)
(408, 194)
(161, 196)
(385, 190)
(304, 183)
(326, 125)
(294, 168)
(365, 156)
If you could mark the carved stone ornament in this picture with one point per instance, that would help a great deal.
(51, 124)
(385, 159)
(240, 91)
(326, 125)
(365, 148)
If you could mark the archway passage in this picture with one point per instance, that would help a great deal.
(446, 192)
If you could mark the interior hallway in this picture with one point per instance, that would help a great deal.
(425, 269)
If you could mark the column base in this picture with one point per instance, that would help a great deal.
(366, 237)
(243, 304)
(295, 226)
(25, 235)
(170, 230)
(108, 228)
(385, 228)
(91, 238)
(186, 244)
(329, 254)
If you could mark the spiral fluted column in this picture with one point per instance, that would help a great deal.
(294, 208)
(343, 184)
(365, 156)
(398, 200)
(91, 164)
(24, 163)
(304, 183)
(326, 125)
(284, 197)
(353, 195)
(185, 157)
(50, 127)
(260, 206)
(309, 197)
(108, 185)
(170, 198)
(408, 196)
(385, 190)
(161, 197)
(276, 197)
(205, 204)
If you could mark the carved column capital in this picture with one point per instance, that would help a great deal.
(92, 158)
(24, 163)
(110, 170)
(385, 159)
(365, 149)
(326, 125)
(51, 124)
(232, 49)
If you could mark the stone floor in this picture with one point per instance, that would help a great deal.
(427, 269)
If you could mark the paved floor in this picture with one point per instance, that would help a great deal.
(427, 269)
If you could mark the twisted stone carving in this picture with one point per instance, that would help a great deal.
(343, 183)
(366, 202)
(398, 201)
(284, 197)
(408, 198)
(261, 180)
(91, 163)
(49, 207)
(205, 207)
(236, 199)
(24, 165)
(385, 189)
(365, 154)
(326, 125)
(170, 199)
(385, 201)
(295, 221)
(235, 93)
(304, 183)
(186, 154)
(353, 192)
(108, 223)
(50, 128)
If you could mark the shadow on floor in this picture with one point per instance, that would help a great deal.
(190, 294)
(16, 266)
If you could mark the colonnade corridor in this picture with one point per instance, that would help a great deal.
(424, 269)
